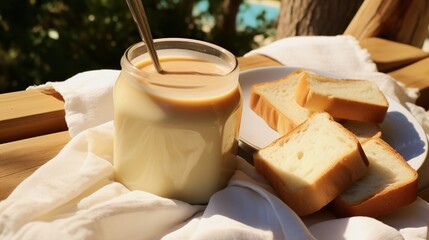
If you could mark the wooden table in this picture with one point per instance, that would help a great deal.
(33, 128)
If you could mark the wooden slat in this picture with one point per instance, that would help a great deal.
(389, 55)
(256, 61)
(404, 21)
(416, 75)
(21, 158)
(26, 114)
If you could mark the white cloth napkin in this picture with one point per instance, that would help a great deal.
(73, 196)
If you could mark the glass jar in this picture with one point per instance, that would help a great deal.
(176, 135)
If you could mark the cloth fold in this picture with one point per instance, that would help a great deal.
(74, 196)
(332, 54)
(88, 98)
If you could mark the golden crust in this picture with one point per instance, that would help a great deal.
(273, 117)
(336, 106)
(385, 201)
(380, 204)
(312, 197)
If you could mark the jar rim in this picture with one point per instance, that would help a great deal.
(173, 42)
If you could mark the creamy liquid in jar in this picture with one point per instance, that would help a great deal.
(175, 136)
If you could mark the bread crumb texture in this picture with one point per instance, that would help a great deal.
(310, 151)
(387, 170)
(358, 90)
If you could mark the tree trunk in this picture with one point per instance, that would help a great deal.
(404, 21)
(225, 26)
(315, 17)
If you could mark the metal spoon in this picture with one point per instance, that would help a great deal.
(139, 15)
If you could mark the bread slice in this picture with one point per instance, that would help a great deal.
(363, 130)
(274, 102)
(312, 164)
(359, 100)
(389, 184)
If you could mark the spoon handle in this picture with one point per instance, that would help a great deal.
(139, 15)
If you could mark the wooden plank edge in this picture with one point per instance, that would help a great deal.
(19, 159)
(26, 114)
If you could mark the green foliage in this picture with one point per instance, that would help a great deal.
(51, 40)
